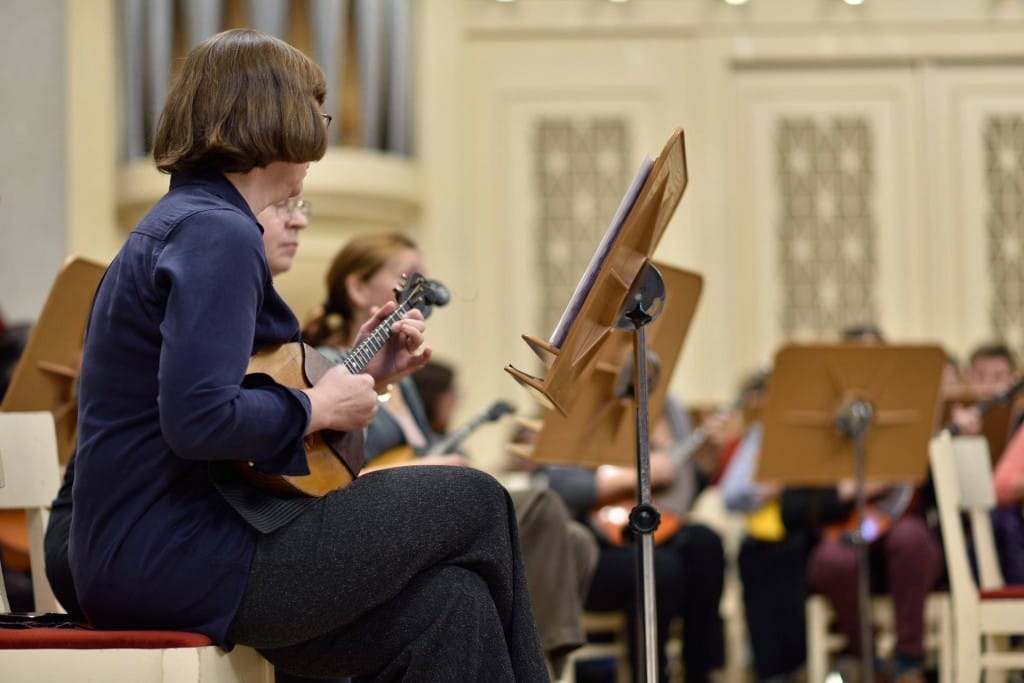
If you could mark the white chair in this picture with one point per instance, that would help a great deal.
(823, 642)
(611, 628)
(962, 472)
(29, 479)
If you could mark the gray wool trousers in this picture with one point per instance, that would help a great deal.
(411, 574)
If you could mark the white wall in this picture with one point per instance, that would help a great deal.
(922, 79)
(32, 154)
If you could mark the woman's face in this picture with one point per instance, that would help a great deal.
(288, 176)
(379, 289)
(281, 225)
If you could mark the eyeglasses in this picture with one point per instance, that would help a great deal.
(287, 208)
(327, 119)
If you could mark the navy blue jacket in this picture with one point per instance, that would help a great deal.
(179, 312)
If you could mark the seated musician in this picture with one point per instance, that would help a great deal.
(559, 559)
(991, 371)
(772, 562)
(689, 563)
(990, 378)
(281, 223)
(906, 561)
(166, 533)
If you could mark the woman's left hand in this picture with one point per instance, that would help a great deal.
(404, 352)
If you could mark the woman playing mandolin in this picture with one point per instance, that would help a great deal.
(386, 578)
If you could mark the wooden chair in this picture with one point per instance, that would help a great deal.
(29, 479)
(46, 375)
(823, 642)
(609, 631)
(987, 611)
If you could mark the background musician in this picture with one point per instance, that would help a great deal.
(906, 561)
(559, 556)
(991, 370)
(282, 224)
(689, 564)
(772, 562)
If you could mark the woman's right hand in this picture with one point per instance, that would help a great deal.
(341, 401)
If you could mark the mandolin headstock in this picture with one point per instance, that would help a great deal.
(416, 291)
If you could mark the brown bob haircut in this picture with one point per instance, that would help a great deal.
(242, 100)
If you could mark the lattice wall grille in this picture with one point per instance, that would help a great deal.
(1004, 175)
(583, 167)
(826, 229)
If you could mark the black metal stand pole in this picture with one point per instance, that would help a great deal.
(852, 421)
(643, 304)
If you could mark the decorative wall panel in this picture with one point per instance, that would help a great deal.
(825, 229)
(830, 225)
(1003, 140)
(976, 148)
(582, 168)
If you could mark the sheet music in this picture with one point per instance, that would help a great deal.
(583, 287)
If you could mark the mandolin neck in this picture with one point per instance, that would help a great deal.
(363, 352)
(450, 443)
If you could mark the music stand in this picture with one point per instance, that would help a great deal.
(570, 361)
(600, 426)
(835, 412)
(621, 290)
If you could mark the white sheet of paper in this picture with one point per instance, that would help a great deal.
(585, 284)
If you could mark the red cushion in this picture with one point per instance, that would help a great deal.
(1015, 592)
(90, 639)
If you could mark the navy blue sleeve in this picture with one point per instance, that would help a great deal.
(214, 275)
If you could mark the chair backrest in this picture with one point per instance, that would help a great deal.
(46, 373)
(28, 460)
(962, 472)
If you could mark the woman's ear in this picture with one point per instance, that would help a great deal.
(355, 286)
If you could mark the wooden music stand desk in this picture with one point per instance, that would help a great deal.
(809, 387)
(570, 362)
(600, 426)
(851, 411)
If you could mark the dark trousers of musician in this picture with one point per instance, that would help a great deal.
(1008, 530)
(689, 570)
(774, 593)
(906, 563)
